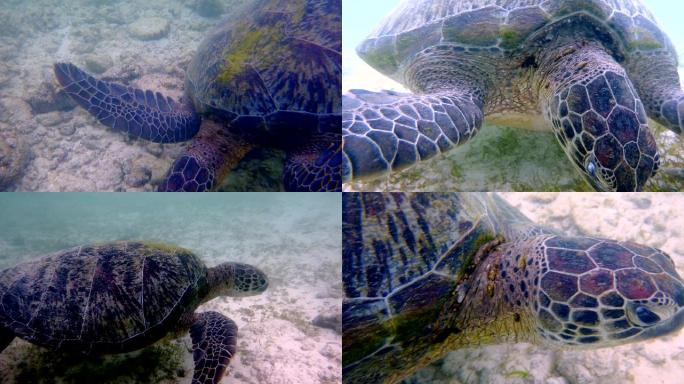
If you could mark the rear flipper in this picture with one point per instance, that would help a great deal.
(144, 114)
(210, 156)
(387, 131)
(315, 166)
(6, 337)
(213, 345)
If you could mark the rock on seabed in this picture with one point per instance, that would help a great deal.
(149, 28)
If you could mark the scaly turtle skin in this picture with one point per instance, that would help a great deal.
(594, 69)
(269, 74)
(123, 296)
(428, 273)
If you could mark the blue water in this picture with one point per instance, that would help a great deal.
(218, 225)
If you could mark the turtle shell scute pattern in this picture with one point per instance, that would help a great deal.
(494, 25)
(391, 240)
(100, 298)
(586, 281)
(273, 67)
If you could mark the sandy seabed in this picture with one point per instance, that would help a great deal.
(49, 144)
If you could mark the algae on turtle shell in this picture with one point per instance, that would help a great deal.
(159, 363)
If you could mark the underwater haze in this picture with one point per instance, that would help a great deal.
(498, 158)
(294, 238)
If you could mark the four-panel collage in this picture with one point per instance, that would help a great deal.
(402, 191)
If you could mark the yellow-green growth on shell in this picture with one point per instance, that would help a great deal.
(165, 247)
(509, 37)
(262, 45)
(249, 47)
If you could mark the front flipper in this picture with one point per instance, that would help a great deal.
(213, 345)
(387, 131)
(206, 161)
(145, 114)
(315, 166)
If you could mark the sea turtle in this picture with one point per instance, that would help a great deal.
(427, 273)
(594, 69)
(122, 296)
(269, 75)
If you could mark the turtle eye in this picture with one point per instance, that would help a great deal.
(645, 316)
(591, 168)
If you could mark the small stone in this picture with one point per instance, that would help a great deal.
(333, 322)
(136, 175)
(98, 63)
(641, 202)
(49, 98)
(15, 111)
(92, 144)
(652, 356)
(330, 351)
(208, 8)
(154, 149)
(543, 198)
(67, 129)
(50, 119)
(674, 172)
(307, 346)
(13, 160)
(149, 28)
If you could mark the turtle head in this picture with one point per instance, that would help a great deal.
(598, 293)
(236, 279)
(613, 154)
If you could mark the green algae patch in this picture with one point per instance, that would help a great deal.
(262, 42)
(261, 170)
(644, 45)
(498, 158)
(509, 38)
(364, 344)
(518, 375)
(165, 247)
(158, 363)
